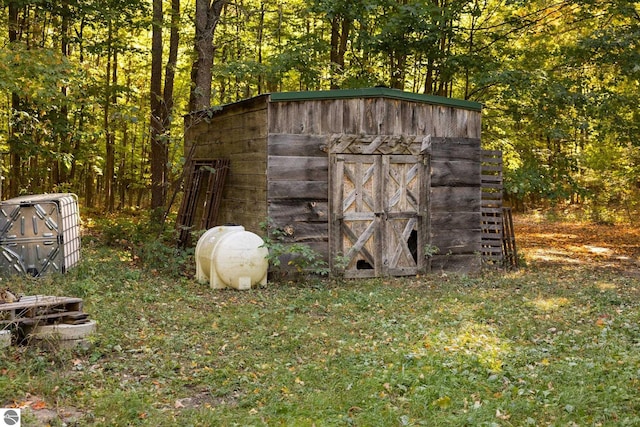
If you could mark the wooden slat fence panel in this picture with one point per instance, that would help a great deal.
(491, 206)
(206, 175)
(498, 237)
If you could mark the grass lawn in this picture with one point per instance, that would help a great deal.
(554, 343)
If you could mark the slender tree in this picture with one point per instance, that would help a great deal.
(207, 16)
(341, 16)
(15, 151)
(110, 81)
(158, 168)
(161, 101)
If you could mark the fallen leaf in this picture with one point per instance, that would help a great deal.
(443, 403)
(501, 415)
(38, 405)
(23, 404)
(353, 410)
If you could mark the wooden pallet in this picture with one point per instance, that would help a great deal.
(498, 237)
(42, 309)
(203, 187)
(491, 207)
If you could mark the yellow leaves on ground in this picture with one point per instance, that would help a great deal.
(477, 341)
(550, 304)
(443, 402)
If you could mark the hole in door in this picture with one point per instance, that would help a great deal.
(363, 265)
(412, 242)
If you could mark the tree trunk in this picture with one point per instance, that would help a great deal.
(260, 40)
(429, 80)
(170, 72)
(340, 27)
(79, 128)
(14, 146)
(64, 134)
(397, 64)
(162, 107)
(110, 155)
(158, 166)
(88, 184)
(207, 17)
(109, 149)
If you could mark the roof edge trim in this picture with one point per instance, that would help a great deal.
(377, 92)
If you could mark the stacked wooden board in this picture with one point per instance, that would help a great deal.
(204, 182)
(491, 208)
(498, 235)
(48, 315)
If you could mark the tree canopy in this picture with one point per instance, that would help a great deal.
(559, 81)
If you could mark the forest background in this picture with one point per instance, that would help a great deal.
(93, 92)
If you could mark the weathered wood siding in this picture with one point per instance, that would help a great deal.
(280, 154)
(455, 203)
(300, 133)
(238, 132)
(372, 116)
(298, 188)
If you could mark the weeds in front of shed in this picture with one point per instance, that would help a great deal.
(149, 244)
(299, 258)
(430, 250)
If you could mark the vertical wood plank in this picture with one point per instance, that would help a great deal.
(335, 206)
(424, 232)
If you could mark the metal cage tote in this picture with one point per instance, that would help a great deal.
(39, 234)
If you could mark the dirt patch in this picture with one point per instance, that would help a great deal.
(36, 413)
(610, 247)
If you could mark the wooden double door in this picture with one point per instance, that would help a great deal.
(380, 222)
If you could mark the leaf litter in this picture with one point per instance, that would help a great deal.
(554, 343)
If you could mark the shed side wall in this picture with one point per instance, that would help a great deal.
(238, 133)
(455, 203)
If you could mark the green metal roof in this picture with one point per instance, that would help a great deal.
(376, 92)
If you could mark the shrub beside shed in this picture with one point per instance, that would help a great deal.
(387, 180)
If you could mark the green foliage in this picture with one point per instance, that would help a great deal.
(561, 98)
(340, 264)
(150, 243)
(558, 81)
(431, 250)
(36, 74)
(299, 256)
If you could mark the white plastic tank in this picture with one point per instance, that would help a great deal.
(5, 338)
(230, 256)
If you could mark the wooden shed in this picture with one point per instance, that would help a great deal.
(388, 179)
